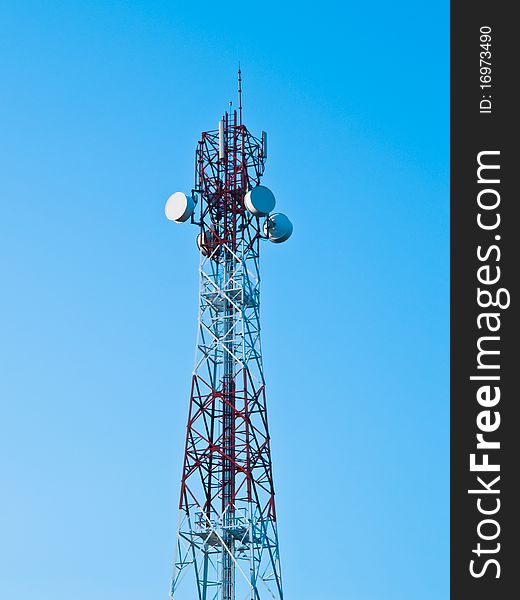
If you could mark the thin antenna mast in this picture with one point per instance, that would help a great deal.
(239, 94)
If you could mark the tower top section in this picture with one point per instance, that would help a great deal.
(227, 198)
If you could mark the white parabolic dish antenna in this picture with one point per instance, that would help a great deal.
(278, 228)
(259, 201)
(179, 207)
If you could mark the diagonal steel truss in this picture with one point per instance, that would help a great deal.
(227, 542)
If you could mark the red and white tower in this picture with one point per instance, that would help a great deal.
(227, 541)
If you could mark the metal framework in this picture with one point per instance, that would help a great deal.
(227, 541)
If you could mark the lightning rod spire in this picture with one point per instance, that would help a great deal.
(239, 94)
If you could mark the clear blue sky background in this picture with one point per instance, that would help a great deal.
(101, 106)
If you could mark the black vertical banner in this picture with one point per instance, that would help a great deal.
(485, 257)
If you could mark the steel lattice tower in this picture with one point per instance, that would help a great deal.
(227, 541)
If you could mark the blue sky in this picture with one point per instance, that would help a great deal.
(101, 106)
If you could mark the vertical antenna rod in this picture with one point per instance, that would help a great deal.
(239, 94)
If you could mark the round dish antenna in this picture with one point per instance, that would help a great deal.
(259, 201)
(208, 244)
(179, 207)
(278, 228)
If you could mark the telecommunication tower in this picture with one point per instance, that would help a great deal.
(227, 540)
